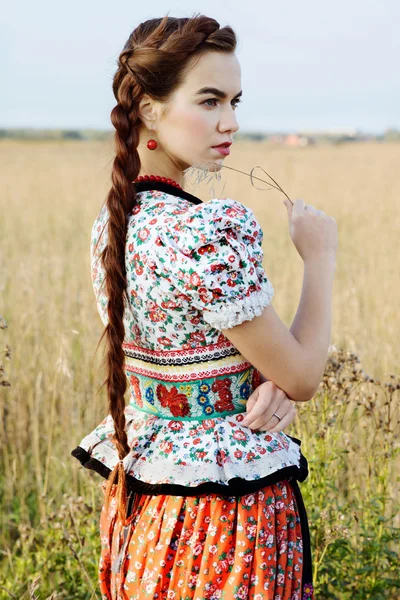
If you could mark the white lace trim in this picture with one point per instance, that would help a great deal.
(164, 451)
(236, 312)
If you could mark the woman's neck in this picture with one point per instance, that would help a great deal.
(156, 162)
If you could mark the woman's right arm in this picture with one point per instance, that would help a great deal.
(295, 359)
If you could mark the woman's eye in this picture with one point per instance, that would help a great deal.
(234, 103)
(210, 100)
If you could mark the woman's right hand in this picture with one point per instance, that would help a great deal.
(313, 232)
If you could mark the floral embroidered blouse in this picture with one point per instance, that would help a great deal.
(193, 270)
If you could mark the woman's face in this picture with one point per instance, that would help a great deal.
(194, 119)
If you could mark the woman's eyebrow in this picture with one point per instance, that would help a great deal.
(216, 92)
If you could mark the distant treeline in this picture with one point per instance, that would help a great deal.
(56, 134)
(304, 138)
(82, 134)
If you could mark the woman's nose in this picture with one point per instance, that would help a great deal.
(228, 121)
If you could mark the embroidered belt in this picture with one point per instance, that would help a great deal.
(192, 384)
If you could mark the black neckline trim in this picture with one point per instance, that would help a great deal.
(145, 186)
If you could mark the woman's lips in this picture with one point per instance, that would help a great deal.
(222, 149)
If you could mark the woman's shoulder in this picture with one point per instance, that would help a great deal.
(162, 213)
(217, 214)
(172, 221)
(221, 217)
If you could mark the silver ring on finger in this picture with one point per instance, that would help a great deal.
(275, 415)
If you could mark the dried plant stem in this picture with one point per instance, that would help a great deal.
(8, 592)
(203, 173)
(50, 433)
(82, 566)
(277, 186)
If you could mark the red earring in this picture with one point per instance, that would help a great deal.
(152, 144)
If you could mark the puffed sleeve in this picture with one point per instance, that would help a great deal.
(212, 257)
(98, 240)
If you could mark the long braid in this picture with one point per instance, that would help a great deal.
(153, 61)
(120, 201)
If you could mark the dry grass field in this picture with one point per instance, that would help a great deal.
(50, 193)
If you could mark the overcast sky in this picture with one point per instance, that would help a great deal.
(305, 65)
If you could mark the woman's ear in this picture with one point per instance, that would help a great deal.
(147, 111)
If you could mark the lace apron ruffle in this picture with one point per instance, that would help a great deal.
(188, 457)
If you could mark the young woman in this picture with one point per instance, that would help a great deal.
(199, 503)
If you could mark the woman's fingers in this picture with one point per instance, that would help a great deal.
(267, 418)
(257, 403)
(264, 401)
(273, 427)
(265, 407)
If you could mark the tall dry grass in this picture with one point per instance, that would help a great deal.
(50, 193)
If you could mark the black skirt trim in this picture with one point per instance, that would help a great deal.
(305, 534)
(237, 486)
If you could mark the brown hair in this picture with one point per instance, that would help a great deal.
(154, 61)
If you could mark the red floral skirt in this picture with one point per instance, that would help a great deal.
(208, 547)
